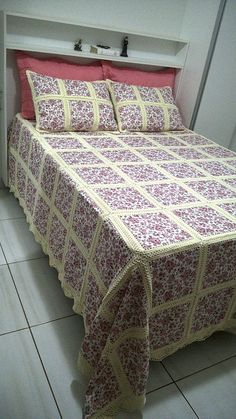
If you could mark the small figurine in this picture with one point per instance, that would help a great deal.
(78, 45)
(124, 48)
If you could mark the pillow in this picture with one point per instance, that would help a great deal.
(54, 67)
(71, 105)
(131, 75)
(139, 108)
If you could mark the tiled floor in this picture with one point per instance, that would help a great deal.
(40, 337)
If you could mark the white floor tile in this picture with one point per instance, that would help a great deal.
(212, 392)
(18, 242)
(40, 291)
(64, 338)
(200, 355)
(24, 391)
(12, 316)
(9, 206)
(2, 258)
(158, 377)
(59, 343)
(165, 403)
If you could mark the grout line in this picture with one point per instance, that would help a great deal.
(187, 401)
(189, 375)
(45, 372)
(1, 248)
(32, 336)
(166, 370)
(205, 368)
(196, 372)
(54, 320)
(179, 389)
(14, 331)
(27, 260)
(158, 388)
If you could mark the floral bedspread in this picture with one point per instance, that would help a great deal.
(142, 230)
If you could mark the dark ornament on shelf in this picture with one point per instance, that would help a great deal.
(78, 45)
(103, 46)
(124, 47)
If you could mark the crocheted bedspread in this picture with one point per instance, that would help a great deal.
(142, 230)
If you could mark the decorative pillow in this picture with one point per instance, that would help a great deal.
(71, 105)
(54, 67)
(137, 77)
(139, 108)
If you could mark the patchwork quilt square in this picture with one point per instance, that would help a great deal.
(220, 265)
(189, 153)
(216, 168)
(103, 142)
(168, 326)
(211, 189)
(216, 151)
(205, 220)
(195, 139)
(156, 155)
(182, 170)
(120, 155)
(142, 172)
(93, 175)
(170, 194)
(211, 309)
(153, 230)
(174, 275)
(123, 198)
(230, 208)
(77, 157)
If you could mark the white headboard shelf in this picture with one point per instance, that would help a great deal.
(55, 36)
(43, 35)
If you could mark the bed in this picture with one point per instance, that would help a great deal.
(141, 227)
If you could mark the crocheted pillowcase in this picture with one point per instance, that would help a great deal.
(139, 108)
(71, 105)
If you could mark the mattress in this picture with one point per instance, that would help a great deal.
(141, 228)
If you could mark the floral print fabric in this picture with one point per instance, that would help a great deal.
(143, 238)
(140, 108)
(71, 105)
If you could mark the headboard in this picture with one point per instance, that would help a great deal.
(43, 36)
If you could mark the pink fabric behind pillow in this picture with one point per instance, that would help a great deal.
(54, 67)
(136, 77)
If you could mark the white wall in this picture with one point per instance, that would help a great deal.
(198, 25)
(216, 117)
(232, 144)
(151, 16)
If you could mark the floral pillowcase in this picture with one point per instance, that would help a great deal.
(71, 105)
(140, 108)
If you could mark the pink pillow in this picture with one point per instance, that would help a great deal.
(136, 77)
(54, 67)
